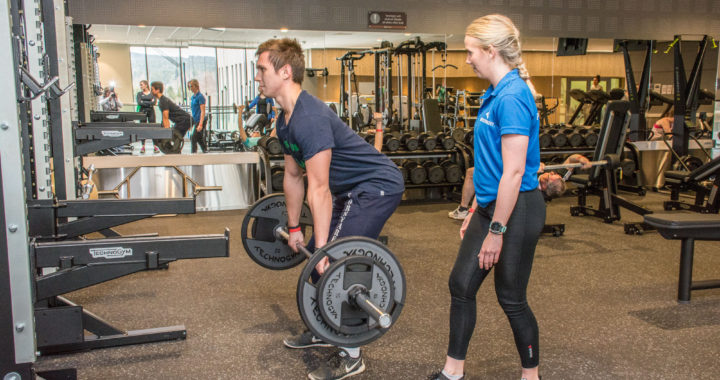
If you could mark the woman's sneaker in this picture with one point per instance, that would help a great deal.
(439, 375)
(338, 366)
(304, 340)
(459, 213)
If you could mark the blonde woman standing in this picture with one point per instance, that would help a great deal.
(508, 212)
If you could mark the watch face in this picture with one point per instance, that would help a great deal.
(496, 227)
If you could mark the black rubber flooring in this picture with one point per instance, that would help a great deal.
(605, 303)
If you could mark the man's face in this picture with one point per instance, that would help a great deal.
(269, 80)
(546, 178)
(154, 91)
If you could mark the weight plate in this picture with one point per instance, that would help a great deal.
(273, 146)
(458, 134)
(453, 173)
(392, 144)
(258, 236)
(173, 145)
(418, 175)
(429, 144)
(277, 180)
(435, 174)
(591, 139)
(575, 140)
(338, 307)
(411, 144)
(448, 143)
(307, 292)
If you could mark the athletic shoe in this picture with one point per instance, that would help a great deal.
(142, 150)
(441, 376)
(459, 213)
(304, 340)
(156, 150)
(339, 366)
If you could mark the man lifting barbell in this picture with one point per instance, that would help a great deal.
(550, 183)
(352, 188)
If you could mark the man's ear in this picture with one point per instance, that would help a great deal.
(286, 72)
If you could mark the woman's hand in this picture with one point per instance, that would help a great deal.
(490, 251)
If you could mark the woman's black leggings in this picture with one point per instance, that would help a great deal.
(512, 273)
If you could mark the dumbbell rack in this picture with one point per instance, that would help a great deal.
(467, 106)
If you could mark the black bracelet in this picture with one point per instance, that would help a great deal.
(293, 227)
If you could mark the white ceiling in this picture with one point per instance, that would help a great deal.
(250, 38)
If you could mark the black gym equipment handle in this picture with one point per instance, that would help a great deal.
(359, 296)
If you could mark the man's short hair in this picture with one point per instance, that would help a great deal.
(283, 52)
(194, 82)
(555, 188)
(158, 86)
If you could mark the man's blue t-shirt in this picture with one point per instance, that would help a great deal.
(195, 102)
(356, 166)
(508, 109)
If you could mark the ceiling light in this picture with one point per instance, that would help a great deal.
(283, 30)
(141, 26)
(379, 40)
(217, 29)
(407, 34)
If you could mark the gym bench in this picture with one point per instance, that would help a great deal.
(707, 199)
(687, 228)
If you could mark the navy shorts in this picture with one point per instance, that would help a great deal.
(362, 214)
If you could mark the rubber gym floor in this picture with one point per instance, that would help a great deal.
(605, 303)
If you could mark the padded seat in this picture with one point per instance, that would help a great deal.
(681, 175)
(682, 225)
(580, 179)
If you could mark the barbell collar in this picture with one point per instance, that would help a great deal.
(280, 233)
(363, 302)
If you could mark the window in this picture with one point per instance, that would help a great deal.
(164, 65)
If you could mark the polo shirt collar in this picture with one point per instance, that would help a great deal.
(509, 77)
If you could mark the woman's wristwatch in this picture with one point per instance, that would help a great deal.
(497, 228)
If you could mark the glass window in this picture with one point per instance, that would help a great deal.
(138, 66)
(201, 63)
(164, 65)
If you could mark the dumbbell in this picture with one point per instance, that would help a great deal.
(469, 137)
(370, 138)
(404, 172)
(559, 138)
(546, 140)
(427, 142)
(271, 144)
(575, 138)
(458, 134)
(453, 172)
(590, 135)
(277, 173)
(391, 142)
(416, 173)
(628, 167)
(411, 142)
(435, 173)
(445, 141)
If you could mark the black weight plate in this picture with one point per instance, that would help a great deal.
(259, 240)
(591, 139)
(458, 134)
(545, 140)
(435, 174)
(575, 139)
(448, 143)
(171, 146)
(392, 144)
(404, 173)
(277, 180)
(273, 146)
(560, 139)
(307, 292)
(418, 175)
(412, 144)
(337, 307)
(453, 173)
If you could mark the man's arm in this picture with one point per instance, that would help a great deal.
(578, 159)
(202, 117)
(294, 190)
(166, 118)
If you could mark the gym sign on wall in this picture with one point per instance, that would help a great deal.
(387, 20)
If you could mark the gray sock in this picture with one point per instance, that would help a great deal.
(452, 377)
(353, 352)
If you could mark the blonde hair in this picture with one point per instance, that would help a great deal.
(193, 82)
(499, 32)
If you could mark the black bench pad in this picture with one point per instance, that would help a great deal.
(686, 225)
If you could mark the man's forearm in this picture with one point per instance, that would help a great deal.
(294, 190)
(320, 201)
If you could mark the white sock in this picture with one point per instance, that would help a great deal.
(353, 352)
(451, 377)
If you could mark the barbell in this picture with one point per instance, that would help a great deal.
(358, 297)
(612, 160)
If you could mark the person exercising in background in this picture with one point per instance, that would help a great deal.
(146, 103)
(171, 111)
(251, 140)
(352, 188)
(551, 184)
(596, 83)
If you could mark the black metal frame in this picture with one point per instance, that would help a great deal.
(94, 137)
(707, 199)
(639, 101)
(602, 180)
(686, 95)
